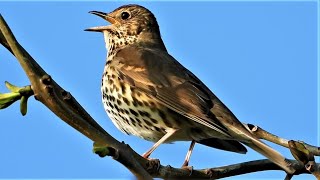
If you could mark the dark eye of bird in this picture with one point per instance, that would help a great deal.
(125, 15)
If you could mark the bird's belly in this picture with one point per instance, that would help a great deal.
(134, 112)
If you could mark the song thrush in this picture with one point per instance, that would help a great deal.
(149, 94)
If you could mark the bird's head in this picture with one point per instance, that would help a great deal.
(129, 24)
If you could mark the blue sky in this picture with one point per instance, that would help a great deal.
(259, 58)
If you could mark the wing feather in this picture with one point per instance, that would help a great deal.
(162, 77)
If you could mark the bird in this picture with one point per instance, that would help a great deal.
(147, 93)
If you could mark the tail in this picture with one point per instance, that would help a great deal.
(238, 131)
(270, 153)
(244, 136)
(227, 145)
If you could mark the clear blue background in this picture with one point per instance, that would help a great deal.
(260, 59)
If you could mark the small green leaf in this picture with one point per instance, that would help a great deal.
(101, 150)
(7, 99)
(23, 105)
(22, 93)
(12, 87)
(300, 152)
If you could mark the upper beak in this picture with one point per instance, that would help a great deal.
(104, 16)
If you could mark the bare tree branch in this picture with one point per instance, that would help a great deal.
(226, 171)
(263, 134)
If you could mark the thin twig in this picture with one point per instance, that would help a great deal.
(263, 134)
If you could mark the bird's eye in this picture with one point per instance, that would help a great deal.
(125, 15)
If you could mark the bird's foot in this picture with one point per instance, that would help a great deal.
(189, 168)
(210, 173)
(153, 165)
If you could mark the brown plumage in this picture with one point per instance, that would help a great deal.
(147, 93)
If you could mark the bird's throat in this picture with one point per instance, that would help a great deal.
(116, 41)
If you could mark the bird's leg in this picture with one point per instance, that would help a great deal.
(164, 138)
(186, 160)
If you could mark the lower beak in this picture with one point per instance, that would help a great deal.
(104, 16)
(98, 28)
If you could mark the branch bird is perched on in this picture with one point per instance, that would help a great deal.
(149, 94)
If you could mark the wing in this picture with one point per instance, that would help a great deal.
(159, 75)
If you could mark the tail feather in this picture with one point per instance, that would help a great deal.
(227, 145)
(242, 134)
(270, 153)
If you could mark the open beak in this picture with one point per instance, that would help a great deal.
(104, 16)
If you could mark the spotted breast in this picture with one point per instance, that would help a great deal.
(131, 111)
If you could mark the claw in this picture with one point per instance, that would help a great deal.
(153, 165)
(210, 172)
(189, 168)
